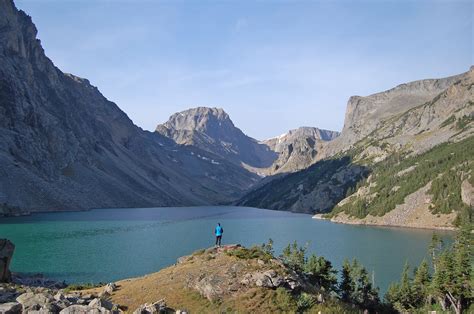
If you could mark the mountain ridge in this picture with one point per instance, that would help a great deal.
(64, 146)
(446, 117)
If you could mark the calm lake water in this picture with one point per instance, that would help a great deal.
(111, 244)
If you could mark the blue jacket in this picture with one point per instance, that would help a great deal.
(219, 231)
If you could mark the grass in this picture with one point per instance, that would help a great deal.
(255, 252)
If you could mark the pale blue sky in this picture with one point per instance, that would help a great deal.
(272, 65)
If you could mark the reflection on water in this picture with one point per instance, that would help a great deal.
(111, 244)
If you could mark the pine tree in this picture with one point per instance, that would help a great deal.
(321, 272)
(345, 287)
(452, 277)
(421, 283)
(294, 256)
(405, 296)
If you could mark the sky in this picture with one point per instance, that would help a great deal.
(272, 65)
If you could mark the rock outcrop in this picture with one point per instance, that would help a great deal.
(64, 146)
(467, 193)
(298, 149)
(6, 253)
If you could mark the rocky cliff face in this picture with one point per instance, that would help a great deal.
(63, 145)
(212, 130)
(298, 149)
(6, 253)
(366, 114)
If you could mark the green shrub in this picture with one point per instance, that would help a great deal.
(82, 286)
(305, 301)
(284, 300)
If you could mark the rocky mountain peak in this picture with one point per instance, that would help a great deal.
(18, 34)
(203, 119)
(212, 129)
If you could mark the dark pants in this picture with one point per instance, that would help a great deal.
(218, 240)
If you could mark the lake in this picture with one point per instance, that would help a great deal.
(110, 244)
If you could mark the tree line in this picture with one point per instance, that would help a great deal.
(444, 282)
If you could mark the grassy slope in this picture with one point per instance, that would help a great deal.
(172, 284)
(446, 165)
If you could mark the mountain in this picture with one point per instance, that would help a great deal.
(411, 147)
(364, 115)
(212, 130)
(64, 146)
(298, 148)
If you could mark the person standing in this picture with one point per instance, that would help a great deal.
(219, 231)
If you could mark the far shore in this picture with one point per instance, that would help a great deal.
(360, 223)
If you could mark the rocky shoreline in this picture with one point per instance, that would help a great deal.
(37, 294)
(378, 222)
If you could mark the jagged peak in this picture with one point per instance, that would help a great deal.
(196, 118)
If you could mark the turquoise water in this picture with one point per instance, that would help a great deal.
(110, 244)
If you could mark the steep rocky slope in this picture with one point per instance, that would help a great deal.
(65, 146)
(298, 149)
(365, 114)
(395, 135)
(212, 130)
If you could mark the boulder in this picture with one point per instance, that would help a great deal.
(6, 253)
(267, 279)
(98, 303)
(110, 287)
(31, 301)
(83, 309)
(10, 308)
(157, 307)
(210, 287)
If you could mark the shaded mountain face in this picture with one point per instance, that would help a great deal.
(380, 132)
(64, 146)
(298, 149)
(212, 130)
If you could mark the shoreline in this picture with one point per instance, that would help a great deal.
(315, 216)
(356, 223)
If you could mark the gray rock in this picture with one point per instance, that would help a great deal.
(10, 308)
(298, 149)
(6, 253)
(157, 307)
(467, 192)
(83, 309)
(101, 303)
(36, 301)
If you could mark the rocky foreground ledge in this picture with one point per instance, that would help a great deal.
(228, 278)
